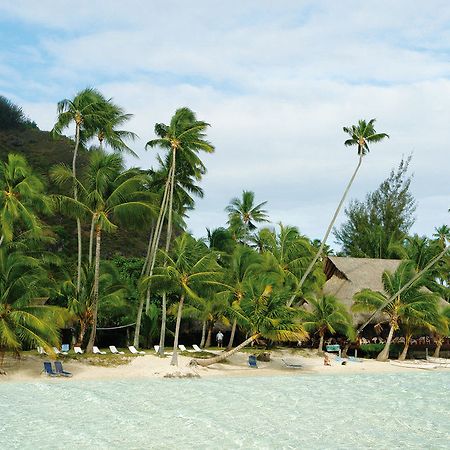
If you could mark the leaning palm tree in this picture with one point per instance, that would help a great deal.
(395, 304)
(85, 108)
(21, 196)
(183, 138)
(108, 194)
(243, 214)
(327, 315)
(25, 320)
(263, 314)
(361, 136)
(189, 267)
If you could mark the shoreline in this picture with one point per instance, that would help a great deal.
(150, 366)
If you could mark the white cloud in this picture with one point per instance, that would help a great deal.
(276, 81)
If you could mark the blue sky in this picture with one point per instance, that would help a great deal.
(276, 80)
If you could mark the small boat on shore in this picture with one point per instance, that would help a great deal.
(415, 364)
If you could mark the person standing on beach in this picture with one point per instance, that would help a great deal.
(219, 338)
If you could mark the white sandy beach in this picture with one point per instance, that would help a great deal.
(150, 366)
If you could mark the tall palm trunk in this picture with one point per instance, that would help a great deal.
(75, 196)
(330, 227)
(95, 290)
(174, 361)
(147, 269)
(439, 341)
(224, 355)
(168, 238)
(91, 238)
(384, 354)
(202, 342)
(404, 352)
(233, 332)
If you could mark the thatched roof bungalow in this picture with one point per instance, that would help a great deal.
(347, 276)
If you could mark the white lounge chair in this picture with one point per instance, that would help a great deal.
(115, 351)
(97, 351)
(156, 347)
(292, 363)
(184, 349)
(133, 350)
(197, 348)
(41, 351)
(78, 350)
(59, 352)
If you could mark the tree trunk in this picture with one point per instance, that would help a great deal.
(346, 348)
(402, 356)
(439, 343)
(320, 349)
(75, 196)
(83, 328)
(202, 342)
(91, 239)
(152, 258)
(384, 354)
(162, 335)
(209, 338)
(96, 284)
(233, 332)
(224, 355)
(174, 361)
(330, 227)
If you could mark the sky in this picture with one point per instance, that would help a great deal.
(277, 81)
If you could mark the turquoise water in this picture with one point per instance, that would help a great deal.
(309, 412)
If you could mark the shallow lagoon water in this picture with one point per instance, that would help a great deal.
(379, 411)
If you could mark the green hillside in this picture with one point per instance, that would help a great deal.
(42, 152)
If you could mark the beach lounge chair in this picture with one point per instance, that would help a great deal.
(49, 370)
(78, 350)
(60, 371)
(41, 351)
(252, 361)
(97, 351)
(65, 349)
(133, 350)
(156, 347)
(292, 364)
(59, 352)
(114, 350)
(184, 349)
(197, 348)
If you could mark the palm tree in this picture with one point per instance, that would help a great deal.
(86, 108)
(263, 313)
(22, 194)
(397, 303)
(25, 320)
(361, 136)
(327, 314)
(442, 329)
(185, 137)
(293, 252)
(188, 268)
(243, 214)
(105, 127)
(242, 264)
(108, 194)
(442, 235)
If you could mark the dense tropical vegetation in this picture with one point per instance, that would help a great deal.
(259, 282)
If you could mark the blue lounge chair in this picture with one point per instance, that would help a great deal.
(65, 348)
(252, 361)
(60, 371)
(48, 369)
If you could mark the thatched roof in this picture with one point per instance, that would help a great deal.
(347, 276)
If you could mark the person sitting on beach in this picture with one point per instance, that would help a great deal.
(219, 338)
(326, 360)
